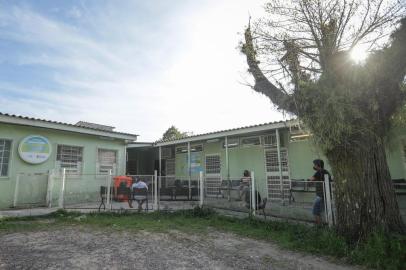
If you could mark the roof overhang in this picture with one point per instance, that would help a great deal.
(221, 134)
(140, 145)
(8, 119)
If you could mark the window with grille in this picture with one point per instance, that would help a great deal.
(272, 164)
(107, 160)
(269, 140)
(213, 165)
(231, 142)
(170, 166)
(167, 153)
(5, 150)
(251, 141)
(70, 158)
(181, 149)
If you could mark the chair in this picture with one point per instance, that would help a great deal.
(140, 195)
(103, 196)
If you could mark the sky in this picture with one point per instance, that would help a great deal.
(140, 66)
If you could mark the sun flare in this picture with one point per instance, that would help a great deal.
(358, 54)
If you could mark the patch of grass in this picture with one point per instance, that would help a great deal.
(381, 251)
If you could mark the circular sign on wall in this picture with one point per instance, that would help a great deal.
(34, 149)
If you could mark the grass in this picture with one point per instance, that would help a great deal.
(381, 251)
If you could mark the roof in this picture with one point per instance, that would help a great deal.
(230, 132)
(94, 126)
(94, 129)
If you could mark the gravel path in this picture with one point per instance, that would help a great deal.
(82, 248)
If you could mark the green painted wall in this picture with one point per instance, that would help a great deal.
(35, 185)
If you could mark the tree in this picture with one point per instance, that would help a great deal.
(172, 133)
(299, 58)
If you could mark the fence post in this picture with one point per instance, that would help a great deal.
(108, 200)
(155, 190)
(253, 201)
(17, 186)
(201, 194)
(50, 187)
(62, 191)
(328, 200)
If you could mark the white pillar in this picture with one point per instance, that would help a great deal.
(278, 147)
(227, 160)
(155, 184)
(189, 166)
(253, 201)
(50, 187)
(201, 187)
(327, 201)
(17, 186)
(108, 200)
(62, 191)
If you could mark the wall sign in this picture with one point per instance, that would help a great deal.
(34, 149)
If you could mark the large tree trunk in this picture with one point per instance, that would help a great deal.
(364, 194)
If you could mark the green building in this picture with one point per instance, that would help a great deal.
(33, 150)
(272, 151)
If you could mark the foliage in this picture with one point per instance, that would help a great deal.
(381, 250)
(299, 58)
(172, 133)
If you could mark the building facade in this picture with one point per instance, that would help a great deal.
(33, 150)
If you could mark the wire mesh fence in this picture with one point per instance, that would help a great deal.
(176, 193)
(30, 190)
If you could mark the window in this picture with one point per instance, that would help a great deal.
(231, 142)
(196, 148)
(5, 149)
(213, 164)
(193, 148)
(251, 141)
(167, 153)
(70, 158)
(271, 158)
(107, 160)
(270, 140)
(181, 149)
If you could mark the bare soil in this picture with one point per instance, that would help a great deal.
(85, 248)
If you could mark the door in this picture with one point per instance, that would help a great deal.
(278, 189)
(213, 174)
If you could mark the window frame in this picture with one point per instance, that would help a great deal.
(205, 163)
(251, 145)
(10, 162)
(57, 162)
(115, 166)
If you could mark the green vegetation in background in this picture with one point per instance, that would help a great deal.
(380, 250)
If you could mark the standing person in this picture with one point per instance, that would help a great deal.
(318, 205)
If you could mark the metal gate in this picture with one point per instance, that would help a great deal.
(277, 174)
(213, 175)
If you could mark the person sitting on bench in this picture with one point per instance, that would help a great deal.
(139, 184)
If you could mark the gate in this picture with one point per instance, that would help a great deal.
(213, 175)
(30, 190)
(277, 174)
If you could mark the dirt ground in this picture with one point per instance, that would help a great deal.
(83, 248)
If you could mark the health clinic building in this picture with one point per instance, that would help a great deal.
(272, 150)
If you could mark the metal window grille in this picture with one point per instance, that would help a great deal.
(107, 160)
(70, 158)
(231, 142)
(5, 146)
(213, 165)
(170, 166)
(251, 141)
(196, 148)
(167, 153)
(269, 140)
(271, 158)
